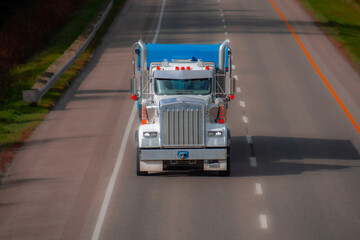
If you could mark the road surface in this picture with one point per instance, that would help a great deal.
(295, 153)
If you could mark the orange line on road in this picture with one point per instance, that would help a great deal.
(352, 120)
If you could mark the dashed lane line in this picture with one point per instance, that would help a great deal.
(258, 189)
(242, 104)
(263, 221)
(253, 162)
(245, 119)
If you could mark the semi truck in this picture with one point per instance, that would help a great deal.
(182, 93)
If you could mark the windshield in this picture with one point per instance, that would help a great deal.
(165, 86)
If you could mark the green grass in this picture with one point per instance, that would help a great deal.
(341, 19)
(18, 118)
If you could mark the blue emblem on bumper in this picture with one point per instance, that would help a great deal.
(183, 154)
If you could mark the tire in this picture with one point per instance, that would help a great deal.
(138, 172)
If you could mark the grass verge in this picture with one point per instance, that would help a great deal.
(18, 119)
(341, 19)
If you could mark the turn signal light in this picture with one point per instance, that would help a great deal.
(133, 97)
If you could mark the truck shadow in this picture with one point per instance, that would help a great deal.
(277, 156)
(287, 156)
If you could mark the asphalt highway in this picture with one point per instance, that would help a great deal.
(295, 152)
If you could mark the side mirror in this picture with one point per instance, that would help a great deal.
(133, 86)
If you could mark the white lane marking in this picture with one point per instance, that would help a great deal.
(245, 119)
(223, 20)
(221, 15)
(236, 77)
(238, 89)
(258, 189)
(263, 221)
(225, 26)
(220, 9)
(253, 162)
(159, 22)
(249, 139)
(233, 67)
(242, 104)
(226, 33)
(111, 185)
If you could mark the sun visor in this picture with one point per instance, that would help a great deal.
(177, 74)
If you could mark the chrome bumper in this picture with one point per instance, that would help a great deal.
(151, 160)
(193, 154)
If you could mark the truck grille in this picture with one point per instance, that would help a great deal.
(182, 127)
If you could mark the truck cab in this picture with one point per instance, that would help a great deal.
(182, 92)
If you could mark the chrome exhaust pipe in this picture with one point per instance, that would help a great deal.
(222, 54)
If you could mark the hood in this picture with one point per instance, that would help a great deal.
(184, 100)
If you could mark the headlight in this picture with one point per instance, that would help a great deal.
(150, 134)
(215, 133)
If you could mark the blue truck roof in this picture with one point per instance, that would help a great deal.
(205, 52)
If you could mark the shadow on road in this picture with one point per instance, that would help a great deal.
(287, 156)
(284, 156)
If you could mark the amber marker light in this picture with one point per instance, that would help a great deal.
(221, 115)
(143, 121)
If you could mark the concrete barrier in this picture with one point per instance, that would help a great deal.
(49, 77)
